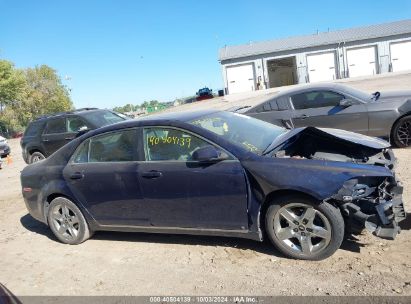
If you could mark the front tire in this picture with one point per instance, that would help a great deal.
(401, 132)
(67, 222)
(302, 228)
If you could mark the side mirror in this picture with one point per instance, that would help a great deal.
(209, 154)
(347, 102)
(82, 131)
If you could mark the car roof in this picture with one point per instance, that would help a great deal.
(150, 120)
(77, 111)
(315, 86)
(179, 116)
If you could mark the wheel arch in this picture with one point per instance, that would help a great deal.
(33, 149)
(56, 189)
(395, 122)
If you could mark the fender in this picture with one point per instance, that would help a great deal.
(308, 176)
(58, 187)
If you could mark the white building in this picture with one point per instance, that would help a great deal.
(325, 56)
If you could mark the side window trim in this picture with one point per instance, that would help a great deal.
(232, 157)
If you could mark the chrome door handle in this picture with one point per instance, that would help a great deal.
(152, 174)
(77, 175)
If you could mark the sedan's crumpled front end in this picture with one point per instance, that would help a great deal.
(372, 204)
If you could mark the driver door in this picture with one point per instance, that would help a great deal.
(181, 192)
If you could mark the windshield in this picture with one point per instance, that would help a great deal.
(250, 133)
(102, 118)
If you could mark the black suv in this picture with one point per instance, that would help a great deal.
(47, 134)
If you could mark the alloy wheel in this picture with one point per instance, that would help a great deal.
(404, 133)
(65, 222)
(302, 229)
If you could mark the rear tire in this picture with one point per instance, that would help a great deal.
(302, 228)
(401, 132)
(36, 157)
(67, 222)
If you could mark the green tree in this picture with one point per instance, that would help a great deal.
(12, 82)
(44, 94)
(29, 93)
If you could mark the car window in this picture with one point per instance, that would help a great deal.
(270, 105)
(114, 147)
(102, 118)
(166, 144)
(283, 103)
(33, 129)
(56, 126)
(316, 99)
(81, 154)
(75, 124)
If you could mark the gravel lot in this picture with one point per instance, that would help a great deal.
(32, 262)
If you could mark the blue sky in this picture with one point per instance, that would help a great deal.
(119, 52)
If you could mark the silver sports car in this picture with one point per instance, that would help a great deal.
(329, 105)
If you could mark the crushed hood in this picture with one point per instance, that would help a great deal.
(359, 139)
(356, 138)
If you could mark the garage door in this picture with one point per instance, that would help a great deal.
(321, 67)
(240, 78)
(362, 61)
(401, 56)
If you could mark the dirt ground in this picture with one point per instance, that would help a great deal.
(32, 262)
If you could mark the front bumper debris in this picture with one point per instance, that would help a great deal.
(379, 209)
(390, 214)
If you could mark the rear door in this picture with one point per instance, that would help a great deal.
(54, 135)
(103, 175)
(320, 108)
(180, 192)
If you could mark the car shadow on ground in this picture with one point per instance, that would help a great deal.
(353, 244)
(181, 239)
(36, 226)
(265, 247)
(406, 224)
(350, 243)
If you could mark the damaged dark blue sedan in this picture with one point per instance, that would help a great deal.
(221, 174)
